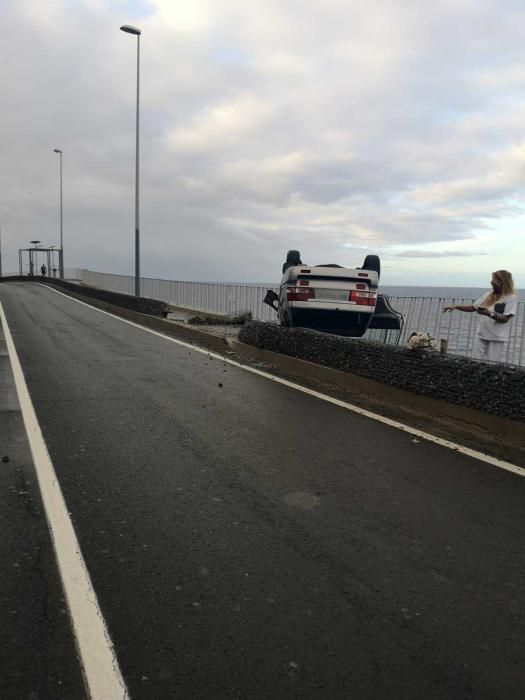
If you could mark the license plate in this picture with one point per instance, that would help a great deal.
(331, 294)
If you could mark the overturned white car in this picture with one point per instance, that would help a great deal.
(331, 298)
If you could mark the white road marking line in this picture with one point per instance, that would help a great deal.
(99, 664)
(480, 456)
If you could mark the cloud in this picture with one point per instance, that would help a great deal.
(437, 254)
(222, 125)
(335, 128)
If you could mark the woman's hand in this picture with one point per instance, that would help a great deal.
(483, 311)
(449, 308)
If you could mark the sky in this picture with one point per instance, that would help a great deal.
(336, 127)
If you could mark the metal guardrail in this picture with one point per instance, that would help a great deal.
(71, 274)
(426, 314)
(217, 298)
(420, 313)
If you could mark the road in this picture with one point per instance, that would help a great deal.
(245, 540)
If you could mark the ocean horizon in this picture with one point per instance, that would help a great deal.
(410, 290)
(441, 292)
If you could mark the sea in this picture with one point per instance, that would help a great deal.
(442, 292)
(415, 291)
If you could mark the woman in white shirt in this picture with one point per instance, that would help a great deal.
(496, 308)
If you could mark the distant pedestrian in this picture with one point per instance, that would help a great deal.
(43, 270)
(496, 309)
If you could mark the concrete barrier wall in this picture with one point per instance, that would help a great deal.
(152, 307)
(492, 388)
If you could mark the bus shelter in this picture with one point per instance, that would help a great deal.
(30, 260)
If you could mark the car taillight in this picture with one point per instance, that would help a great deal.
(363, 298)
(300, 293)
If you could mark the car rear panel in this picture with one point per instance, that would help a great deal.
(334, 299)
(344, 275)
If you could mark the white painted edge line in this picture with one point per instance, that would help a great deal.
(97, 656)
(467, 451)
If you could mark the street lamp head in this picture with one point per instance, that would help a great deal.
(130, 30)
(57, 150)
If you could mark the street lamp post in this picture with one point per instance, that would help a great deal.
(136, 32)
(61, 251)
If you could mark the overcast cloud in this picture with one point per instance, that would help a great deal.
(339, 127)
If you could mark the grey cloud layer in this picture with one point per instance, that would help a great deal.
(343, 127)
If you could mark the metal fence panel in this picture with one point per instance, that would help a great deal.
(420, 313)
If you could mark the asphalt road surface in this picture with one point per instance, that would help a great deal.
(245, 540)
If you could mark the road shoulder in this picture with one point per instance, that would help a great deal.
(38, 654)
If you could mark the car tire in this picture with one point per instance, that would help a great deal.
(293, 257)
(372, 262)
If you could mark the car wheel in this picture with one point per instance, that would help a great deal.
(372, 262)
(293, 257)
